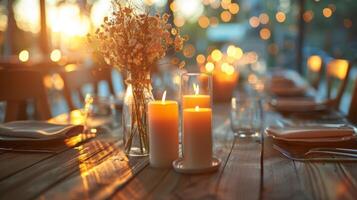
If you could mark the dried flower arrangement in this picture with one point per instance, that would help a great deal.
(133, 41)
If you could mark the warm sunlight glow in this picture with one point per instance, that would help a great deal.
(197, 108)
(24, 56)
(56, 55)
(216, 55)
(338, 68)
(314, 63)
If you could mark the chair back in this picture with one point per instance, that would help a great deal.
(74, 79)
(337, 74)
(103, 74)
(352, 113)
(314, 69)
(17, 86)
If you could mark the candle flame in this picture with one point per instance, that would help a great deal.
(163, 97)
(196, 88)
(197, 108)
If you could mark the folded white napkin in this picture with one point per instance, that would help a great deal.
(310, 132)
(39, 130)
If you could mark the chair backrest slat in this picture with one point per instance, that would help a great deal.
(337, 71)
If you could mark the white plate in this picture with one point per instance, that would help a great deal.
(312, 140)
(180, 167)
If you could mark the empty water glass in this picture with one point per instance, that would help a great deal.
(246, 116)
(101, 111)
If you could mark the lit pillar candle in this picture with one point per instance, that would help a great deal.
(224, 85)
(197, 137)
(163, 132)
(191, 101)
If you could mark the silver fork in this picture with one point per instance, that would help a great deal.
(350, 157)
(334, 151)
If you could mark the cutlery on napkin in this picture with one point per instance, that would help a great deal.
(37, 130)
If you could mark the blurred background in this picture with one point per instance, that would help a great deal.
(50, 35)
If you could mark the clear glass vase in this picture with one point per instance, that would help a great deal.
(135, 127)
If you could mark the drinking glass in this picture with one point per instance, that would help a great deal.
(101, 111)
(246, 116)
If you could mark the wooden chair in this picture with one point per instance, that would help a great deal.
(314, 70)
(337, 74)
(103, 74)
(18, 86)
(352, 113)
(74, 79)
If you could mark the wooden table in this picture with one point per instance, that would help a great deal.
(98, 169)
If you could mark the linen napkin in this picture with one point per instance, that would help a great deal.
(318, 132)
(37, 130)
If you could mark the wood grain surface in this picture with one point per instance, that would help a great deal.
(250, 169)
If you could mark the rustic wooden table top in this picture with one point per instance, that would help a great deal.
(98, 169)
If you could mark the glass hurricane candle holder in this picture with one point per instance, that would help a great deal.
(196, 90)
(196, 137)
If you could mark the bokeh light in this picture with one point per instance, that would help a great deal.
(314, 63)
(209, 67)
(308, 16)
(264, 18)
(203, 21)
(264, 33)
(254, 22)
(189, 51)
(179, 21)
(280, 17)
(200, 59)
(24, 56)
(216, 55)
(327, 12)
(56, 55)
(226, 16)
(233, 8)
